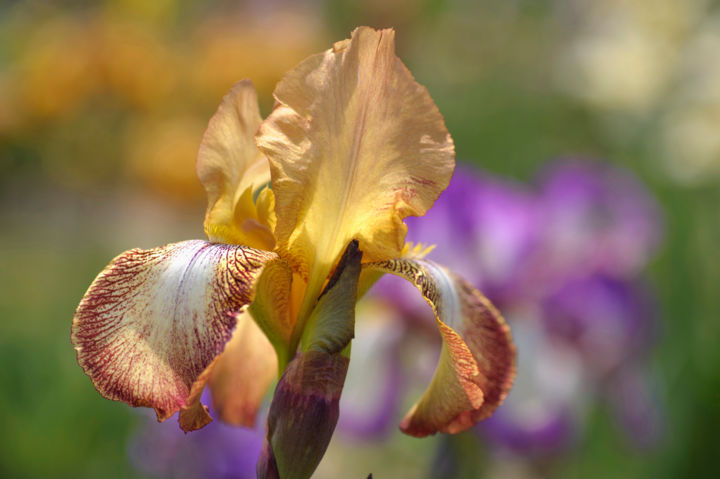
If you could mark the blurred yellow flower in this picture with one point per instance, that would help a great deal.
(161, 153)
(56, 68)
(135, 63)
(227, 47)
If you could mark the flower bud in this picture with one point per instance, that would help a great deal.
(305, 407)
(303, 415)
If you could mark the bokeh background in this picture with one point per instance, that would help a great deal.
(102, 107)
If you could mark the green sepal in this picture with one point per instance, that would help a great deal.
(331, 325)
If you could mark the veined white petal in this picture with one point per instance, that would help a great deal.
(154, 320)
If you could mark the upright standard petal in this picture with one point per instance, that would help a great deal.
(477, 362)
(154, 320)
(232, 170)
(355, 145)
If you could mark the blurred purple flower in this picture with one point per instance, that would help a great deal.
(493, 227)
(562, 263)
(597, 219)
(635, 405)
(217, 451)
(609, 321)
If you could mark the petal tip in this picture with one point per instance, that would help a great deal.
(194, 417)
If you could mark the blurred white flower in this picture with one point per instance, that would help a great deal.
(649, 67)
(690, 126)
(622, 52)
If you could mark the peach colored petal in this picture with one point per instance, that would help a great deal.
(154, 320)
(232, 170)
(243, 373)
(355, 145)
(477, 362)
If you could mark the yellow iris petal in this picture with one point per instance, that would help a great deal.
(232, 170)
(355, 145)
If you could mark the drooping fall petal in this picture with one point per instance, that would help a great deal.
(232, 170)
(154, 320)
(477, 362)
(355, 145)
(242, 374)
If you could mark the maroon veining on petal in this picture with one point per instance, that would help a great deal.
(154, 320)
(477, 362)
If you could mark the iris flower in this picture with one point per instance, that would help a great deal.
(305, 211)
